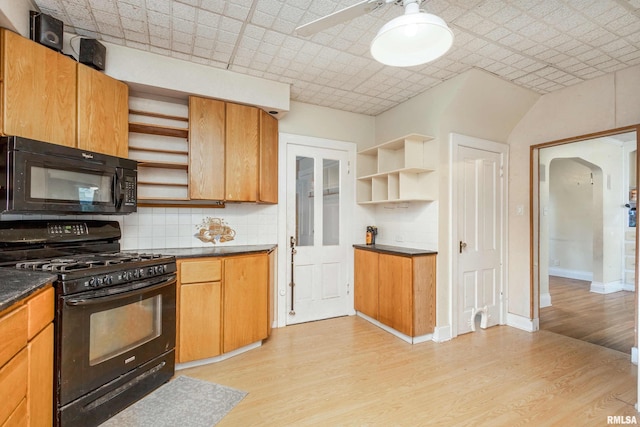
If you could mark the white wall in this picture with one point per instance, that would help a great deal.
(604, 103)
(14, 15)
(475, 103)
(327, 123)
(570, 213)
(588, 246)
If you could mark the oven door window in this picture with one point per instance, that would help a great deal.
(82, 186)
(120, 329)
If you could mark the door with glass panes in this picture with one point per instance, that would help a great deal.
(317, 190)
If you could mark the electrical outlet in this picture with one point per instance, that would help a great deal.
(399, 238)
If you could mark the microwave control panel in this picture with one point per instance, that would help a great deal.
(130, 191)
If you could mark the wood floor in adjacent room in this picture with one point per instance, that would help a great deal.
(606, 320)
(347, 372)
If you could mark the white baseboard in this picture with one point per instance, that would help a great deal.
(442, 333)
(571, 274)
(629, 287)
(606, 288)
(545, 300)
(524, 323)
(634, 355)
(403, 337)
(218, 358)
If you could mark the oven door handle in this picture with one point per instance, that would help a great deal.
(125, 292)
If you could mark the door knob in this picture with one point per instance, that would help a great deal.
(462, 245)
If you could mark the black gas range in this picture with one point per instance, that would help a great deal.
(115, 313)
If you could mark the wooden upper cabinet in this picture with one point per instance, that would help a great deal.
(241, 156)
(103, 113)
(206, 149)
(268, 174)
(39, 91)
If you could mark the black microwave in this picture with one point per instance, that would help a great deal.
(39, 177)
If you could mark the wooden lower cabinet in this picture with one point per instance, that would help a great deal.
(397, 290)
(223, 304)
(41, 378)
(203, 302)
(26, 371)
(245, 297)
(366, 280)
(199, 309)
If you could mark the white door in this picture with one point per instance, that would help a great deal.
(480, 237)
(317, 270)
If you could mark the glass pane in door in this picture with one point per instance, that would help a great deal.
(304, 200)
(330, 202)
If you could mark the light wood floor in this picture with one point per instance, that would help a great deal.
(347, 372)
(606, 320)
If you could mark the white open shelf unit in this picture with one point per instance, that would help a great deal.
(398, 171)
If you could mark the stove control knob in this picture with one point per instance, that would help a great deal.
(92, 282)
(160, 269)
(151, 271)
(108, 280)
(127, 275)
(142, 272)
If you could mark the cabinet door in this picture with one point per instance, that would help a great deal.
(241, 156)
(424, 294)
(395, 293)
(13, 384)
(40, 388)
(268, 177)
(103, 113)
(199, 335)
(245, 301)
(366, 282)
(39, 86)
(206, 149)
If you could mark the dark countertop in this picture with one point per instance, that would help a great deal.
(16, 285)
(395, 250)
(215, 251)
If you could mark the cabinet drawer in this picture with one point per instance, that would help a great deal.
(200, 271)
(40, 309)
(13, 384)
(13, 330)
(19, 417)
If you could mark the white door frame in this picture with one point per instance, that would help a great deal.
(284, 253)
(455, 141)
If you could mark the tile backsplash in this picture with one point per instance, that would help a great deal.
(158, 228)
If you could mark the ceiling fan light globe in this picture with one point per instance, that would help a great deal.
(412, 39)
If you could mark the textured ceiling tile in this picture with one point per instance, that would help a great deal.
(543, 45)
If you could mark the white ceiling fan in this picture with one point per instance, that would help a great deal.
(411, 39)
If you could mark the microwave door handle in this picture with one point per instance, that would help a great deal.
(118, 194)
(127, 292)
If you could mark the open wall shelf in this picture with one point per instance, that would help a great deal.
(398, 171)
(158, 140)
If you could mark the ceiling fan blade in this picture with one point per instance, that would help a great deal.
(339, 17)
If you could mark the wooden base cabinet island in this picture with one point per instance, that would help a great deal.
(395, 288)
